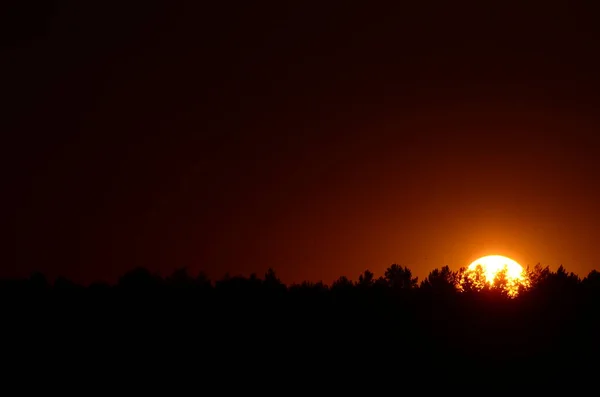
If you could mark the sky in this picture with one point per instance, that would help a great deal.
(319, 140)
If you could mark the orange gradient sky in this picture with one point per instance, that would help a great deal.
(317, 142)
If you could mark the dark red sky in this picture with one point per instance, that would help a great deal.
(319, 140)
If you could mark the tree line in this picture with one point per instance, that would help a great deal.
(446, 320)
(396, 278)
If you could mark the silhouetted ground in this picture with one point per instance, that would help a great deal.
(262, 329)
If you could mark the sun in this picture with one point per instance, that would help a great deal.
(485, 270)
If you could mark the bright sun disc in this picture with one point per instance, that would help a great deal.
(491, 265)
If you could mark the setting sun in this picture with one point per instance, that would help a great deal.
(486, 269)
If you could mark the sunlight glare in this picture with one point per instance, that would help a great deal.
(491, 265)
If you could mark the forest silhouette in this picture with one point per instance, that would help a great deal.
(259, 324)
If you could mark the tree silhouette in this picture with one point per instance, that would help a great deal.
(559, 282)
(180, 278)
(472, 280)
(202, 281)
(272, 281)
(592, 281)
(538, 274)
(400, 278)
(63, 283)
(139, 279)
(451, 315)
(502, 285)
(342, 284)
(366, 279)
(441, 280)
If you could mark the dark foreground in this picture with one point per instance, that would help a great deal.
(267, 332)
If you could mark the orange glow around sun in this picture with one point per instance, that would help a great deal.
(496, 271)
